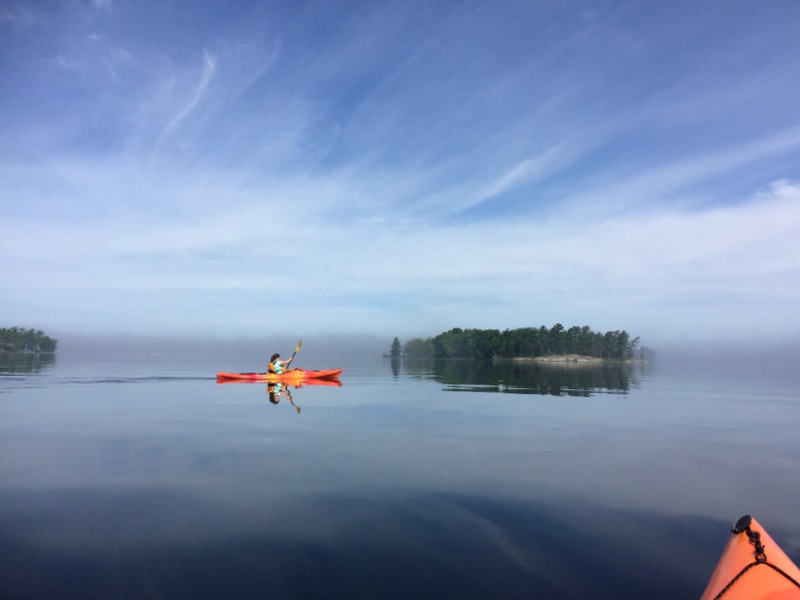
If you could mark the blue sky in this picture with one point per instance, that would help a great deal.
(400, 168)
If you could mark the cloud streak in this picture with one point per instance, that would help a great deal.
(209, 67)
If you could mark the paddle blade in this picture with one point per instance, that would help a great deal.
(299, 345)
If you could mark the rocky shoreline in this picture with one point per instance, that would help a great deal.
(573, 360)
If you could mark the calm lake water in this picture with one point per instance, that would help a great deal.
(138, 476)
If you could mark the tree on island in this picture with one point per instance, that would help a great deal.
(17, 339)
(396, 349)
(524, 342)
(418, 348)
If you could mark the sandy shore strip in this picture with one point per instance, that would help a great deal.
(562, 358)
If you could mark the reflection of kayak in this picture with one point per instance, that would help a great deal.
(334, 381)
(753, 567)
(292, 377)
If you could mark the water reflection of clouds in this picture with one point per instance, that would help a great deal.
(393, 482)
(678, 451)
(415, 544)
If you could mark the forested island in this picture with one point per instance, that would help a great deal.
(526, 342)
(18, 339)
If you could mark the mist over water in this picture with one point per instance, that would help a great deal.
(753, 359)
(314, 347)
(370, 342)
(756, 358)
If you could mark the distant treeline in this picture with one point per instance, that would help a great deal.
(17, 339)
(523, 342)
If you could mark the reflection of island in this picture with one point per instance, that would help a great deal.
(554, 378)
(25, 362)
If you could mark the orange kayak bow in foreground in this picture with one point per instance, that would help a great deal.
(753, 567)
(293, 377)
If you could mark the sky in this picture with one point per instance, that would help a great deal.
(239, 168)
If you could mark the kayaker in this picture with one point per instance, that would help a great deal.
(278, 366)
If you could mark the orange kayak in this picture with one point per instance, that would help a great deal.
(293, 377)
(333, 381)
(753, 567)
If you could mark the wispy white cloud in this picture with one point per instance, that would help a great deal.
(626, 263)
(209, 67)
(673, 181)
(526, 171)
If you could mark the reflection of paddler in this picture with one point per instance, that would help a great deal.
(276, 389)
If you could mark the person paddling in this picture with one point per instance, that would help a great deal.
(277, 365)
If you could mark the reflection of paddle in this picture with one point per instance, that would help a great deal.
(275, 395)
(289, 395)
